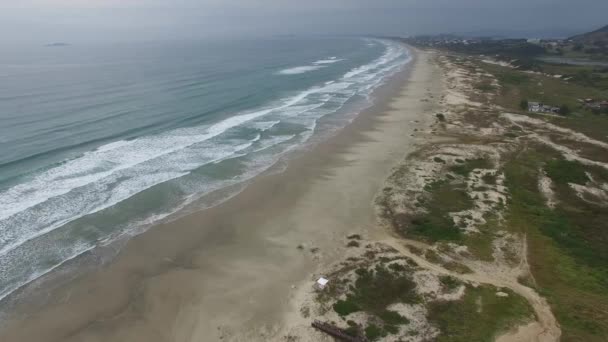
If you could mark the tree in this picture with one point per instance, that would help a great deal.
(564, 110)
(523, 104)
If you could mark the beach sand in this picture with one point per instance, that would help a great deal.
(230, 272)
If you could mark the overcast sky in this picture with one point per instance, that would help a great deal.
(106, 20)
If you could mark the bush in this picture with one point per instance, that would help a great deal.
(523, 104)
(346, 307)
(353, 243)
(393, 318)
(564, 110)
(374, 332)
(489, 178)
(449, 282)
(562, 171)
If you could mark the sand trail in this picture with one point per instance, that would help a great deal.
(546, 329)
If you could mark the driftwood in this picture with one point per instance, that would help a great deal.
(336, 332)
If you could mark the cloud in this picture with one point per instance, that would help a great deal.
(61, 20)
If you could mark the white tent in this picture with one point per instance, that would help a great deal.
(321, 283)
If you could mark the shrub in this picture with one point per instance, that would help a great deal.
(374, 332)
(563, 171)
(393, 318)
(346, 307)
(353, 243)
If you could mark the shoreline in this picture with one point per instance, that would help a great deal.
(229, 269)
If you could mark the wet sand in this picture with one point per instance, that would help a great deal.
(229, 272)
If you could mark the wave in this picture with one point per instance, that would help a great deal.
(330, 60)
(322, 63)
(115, 172)
(300, 70)
(98, 171)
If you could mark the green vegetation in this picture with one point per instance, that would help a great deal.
(523, 104)
(564, 110)
(583, 75)
(469, 165)
(479, 315)
(353, 243)
(569, 257)
(518, 86)
(373, 291)
(513, 78)
(489, 178)
(485, 86)
(436, 224)
(374, 332)
(346, 307)
(449, 282)
(446, 196)
(480, 244)
(563, 171)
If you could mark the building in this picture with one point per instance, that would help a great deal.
(534, 107)
(538, 107)
(596, 105)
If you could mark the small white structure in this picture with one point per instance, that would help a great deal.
(537, 107)
(321, 284)
(534, 107)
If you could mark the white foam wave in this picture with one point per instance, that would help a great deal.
(330, 60)
(300, 69)
(264, 125)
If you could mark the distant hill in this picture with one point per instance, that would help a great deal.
(592, 38)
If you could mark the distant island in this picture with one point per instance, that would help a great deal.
(57, 44)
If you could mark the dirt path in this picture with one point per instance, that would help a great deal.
(546, 329)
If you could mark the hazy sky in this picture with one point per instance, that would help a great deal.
(105, 20)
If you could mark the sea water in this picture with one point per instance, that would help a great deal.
(100, 141)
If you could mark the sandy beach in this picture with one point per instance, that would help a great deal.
(231, 272)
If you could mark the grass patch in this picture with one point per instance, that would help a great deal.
(568, 246)
(393, 318)
(449, 282)
(464, 169)
(346, 307)
(480, 244)
(564, 171)
(479, 316)
(436, 224)
(489, 178)
(513, 78)
(373, 291)
(435, 228)
(517, 86)
(374, 332)
(485, 86)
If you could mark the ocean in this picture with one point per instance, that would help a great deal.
(99, 142)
